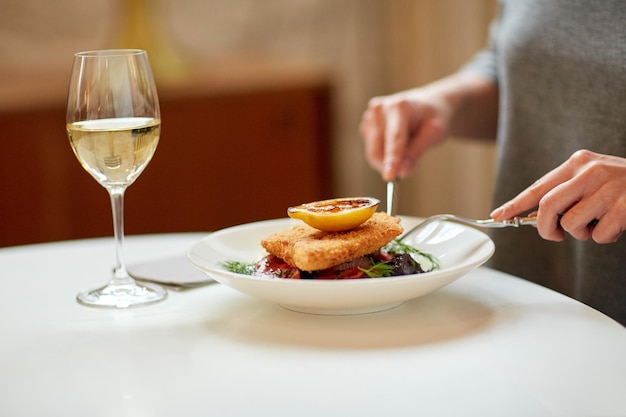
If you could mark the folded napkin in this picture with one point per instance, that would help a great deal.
(174, 271)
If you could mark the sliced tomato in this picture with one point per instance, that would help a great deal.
(273, 266)
(351, 273)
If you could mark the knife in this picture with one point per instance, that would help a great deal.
(391, 185)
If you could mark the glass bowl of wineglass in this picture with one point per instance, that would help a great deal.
(114, 124)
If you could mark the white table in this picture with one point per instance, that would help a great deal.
(487, 345)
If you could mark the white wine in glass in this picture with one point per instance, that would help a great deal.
(114, 124)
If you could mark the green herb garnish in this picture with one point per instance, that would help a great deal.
(245, 268)
(377, 270)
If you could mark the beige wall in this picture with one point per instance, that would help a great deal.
(365, 48)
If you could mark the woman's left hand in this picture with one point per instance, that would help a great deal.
(586, 188)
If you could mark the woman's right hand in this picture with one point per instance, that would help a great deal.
(398, 128)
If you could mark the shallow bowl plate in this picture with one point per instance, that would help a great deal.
(459, 249)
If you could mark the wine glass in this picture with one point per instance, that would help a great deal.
(114, 124)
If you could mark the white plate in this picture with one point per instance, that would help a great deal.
(459, 248)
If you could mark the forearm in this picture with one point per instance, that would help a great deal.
(474, 102)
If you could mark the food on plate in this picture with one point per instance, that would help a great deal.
(310, 249)
(335, 215)
(366, 251)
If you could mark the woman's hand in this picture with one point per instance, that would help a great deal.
(398, 128)
(585, 188)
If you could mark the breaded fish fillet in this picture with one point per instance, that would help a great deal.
(310, 249)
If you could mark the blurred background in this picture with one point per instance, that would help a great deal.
(260, 101)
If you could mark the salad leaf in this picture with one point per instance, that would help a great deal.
(397, 247)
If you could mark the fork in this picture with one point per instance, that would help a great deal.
(488, 223)
(516, 221)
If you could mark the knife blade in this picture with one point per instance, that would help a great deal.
(391, 193)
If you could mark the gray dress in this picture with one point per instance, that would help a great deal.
(561, 70)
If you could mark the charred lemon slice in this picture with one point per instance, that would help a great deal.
(335, 215)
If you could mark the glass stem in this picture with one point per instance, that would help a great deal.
(120, 275)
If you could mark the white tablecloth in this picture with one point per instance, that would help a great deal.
(487, 345)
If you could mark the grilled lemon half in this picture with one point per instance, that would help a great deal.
(335, 215)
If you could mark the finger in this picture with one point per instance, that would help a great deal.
(607, 215)
(609, 228)
(580, 219)
(580, 200)
(524, 201)
(531, 196)
(548, 226)
(372, 133)
(567, 208)
(396, 138)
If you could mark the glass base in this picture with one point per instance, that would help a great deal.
(122, 296)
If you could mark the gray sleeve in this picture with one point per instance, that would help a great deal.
(484, 62)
